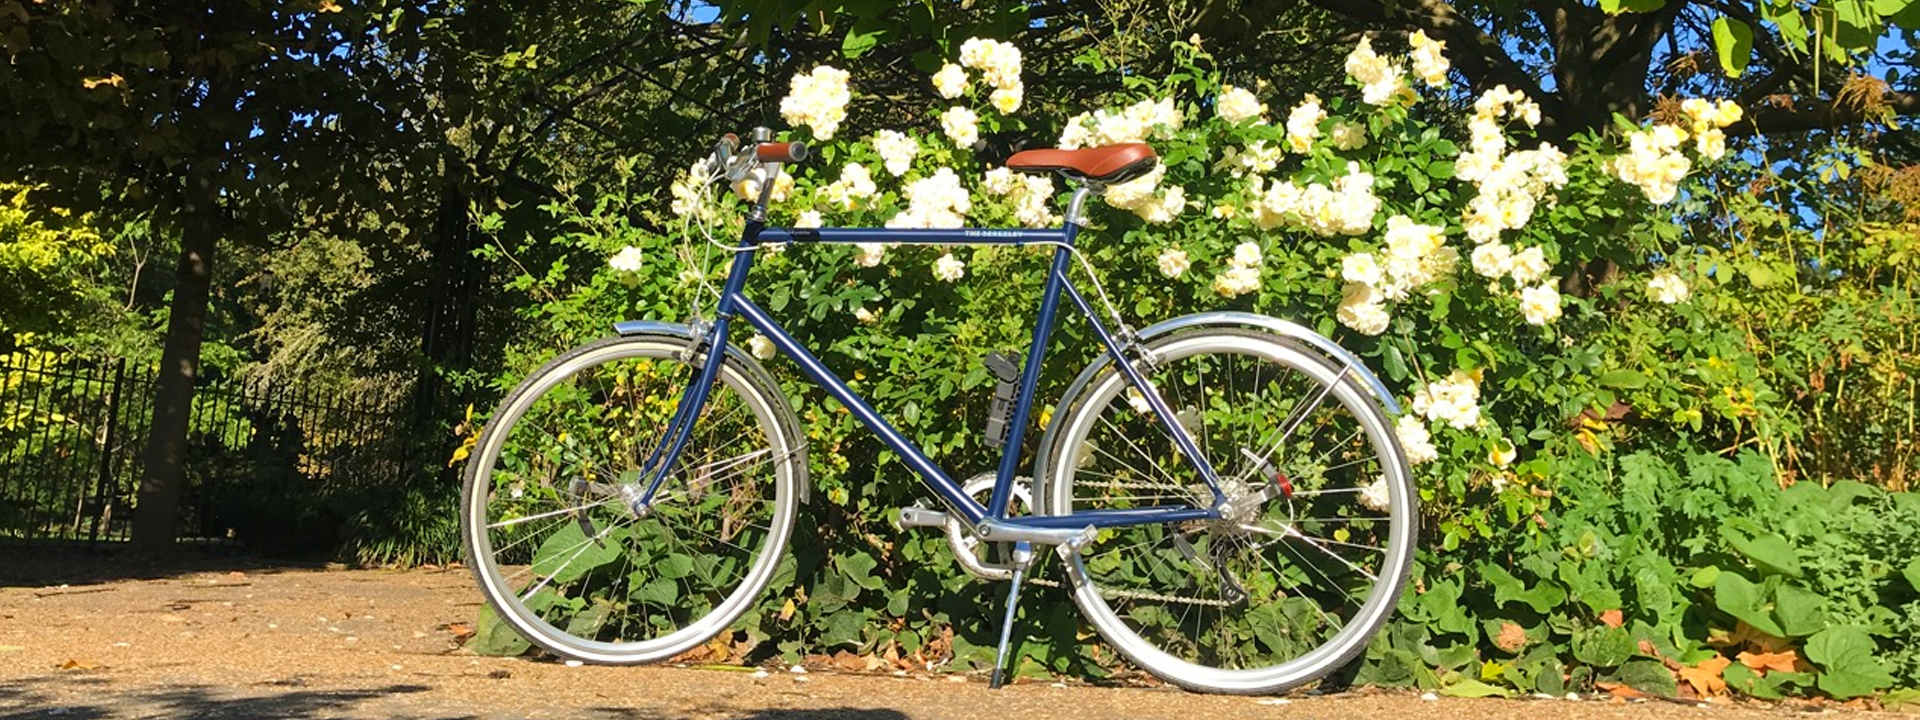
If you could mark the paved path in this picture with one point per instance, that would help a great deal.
(86, 638)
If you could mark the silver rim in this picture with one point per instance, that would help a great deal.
(617, 587)
(1308, 578)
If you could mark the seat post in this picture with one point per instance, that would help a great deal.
(1076, 208)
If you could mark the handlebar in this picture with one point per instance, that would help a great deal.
(787, 152)
(726, 152)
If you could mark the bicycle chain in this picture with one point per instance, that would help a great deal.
(1135, 594)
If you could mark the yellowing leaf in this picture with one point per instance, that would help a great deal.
(112, 79)
(328, 6)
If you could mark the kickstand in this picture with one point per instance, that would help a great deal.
(1022, 559)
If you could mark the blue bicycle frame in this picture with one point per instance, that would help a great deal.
(735, 304)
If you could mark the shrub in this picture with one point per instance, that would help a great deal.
(1582, 335)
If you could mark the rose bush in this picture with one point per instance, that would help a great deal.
(1570, 327)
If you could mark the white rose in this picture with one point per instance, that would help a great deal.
(951, 81)
(1173, 262)
(1415, 439)
(1348, 135)
(1502, 453)
(762, 347)
(1237, 104)
(1528, 265)
(1247, 254)
(896, 150)
(627, 260)
(949, 268)
(1492, 259)
(961, 125)
(1540, 304)
(1375, 495)
(1361, 268)
(1667, 287)
(1006, 99)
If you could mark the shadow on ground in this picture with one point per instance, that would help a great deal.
(45, 565)
(69, 698)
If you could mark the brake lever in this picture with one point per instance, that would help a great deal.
(724, 149)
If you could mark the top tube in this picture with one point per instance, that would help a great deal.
(1017, 237)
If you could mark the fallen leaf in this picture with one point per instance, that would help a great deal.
(1706, 677)
(72, 664)
(1613, 618)
(1783, 661)
(460, 632)
(1620, 691)
(849, 661)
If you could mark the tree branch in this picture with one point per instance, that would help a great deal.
(1777, 119)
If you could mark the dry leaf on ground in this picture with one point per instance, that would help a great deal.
(1706, 677)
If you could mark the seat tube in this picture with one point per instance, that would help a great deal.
(1030, 373)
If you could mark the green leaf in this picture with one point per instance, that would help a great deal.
(1648, 676)
(1471, 688)
(1848, 668)
(1770, 551)
(493, 636)
(857, 43)
(1623, 379)
(1799, 610)
(1912, 574)
(1902, 700)
(1602, 646)
(858, 567)
(843, 628)
(1735, 595)
(1733, 42)
(567, 555)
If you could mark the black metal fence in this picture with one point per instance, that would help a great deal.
(263, 464)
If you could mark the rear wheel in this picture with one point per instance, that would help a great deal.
(1310, 559)
(548, 513)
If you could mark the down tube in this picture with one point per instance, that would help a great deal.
(817, 371)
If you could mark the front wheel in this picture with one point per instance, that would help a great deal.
(1317, 543)
(561, 549)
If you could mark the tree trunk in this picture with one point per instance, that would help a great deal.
(156, 513)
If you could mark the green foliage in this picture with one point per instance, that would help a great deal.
(49, 265)
(1648, 561)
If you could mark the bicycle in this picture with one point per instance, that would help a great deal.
(1225, 492)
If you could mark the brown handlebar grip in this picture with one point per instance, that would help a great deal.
(787, 152)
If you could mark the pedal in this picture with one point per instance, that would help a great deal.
(1007, 374)
(920, 517)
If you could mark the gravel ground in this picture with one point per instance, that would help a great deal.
(86, 636)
